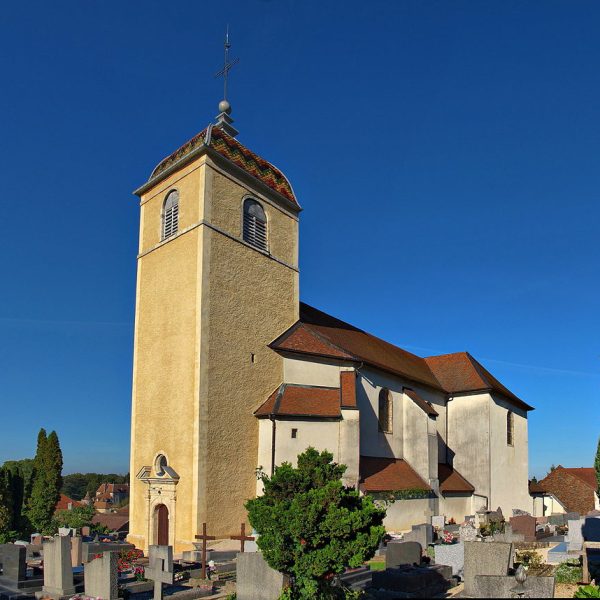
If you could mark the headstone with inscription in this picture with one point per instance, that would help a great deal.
(100, 576)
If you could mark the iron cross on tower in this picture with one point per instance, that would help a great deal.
(227, 65)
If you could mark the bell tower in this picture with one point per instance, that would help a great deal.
(217, 280)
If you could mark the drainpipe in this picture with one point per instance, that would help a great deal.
(448, 400)
(273, 435)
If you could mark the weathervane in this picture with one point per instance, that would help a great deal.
(224, 121)
(224, 72)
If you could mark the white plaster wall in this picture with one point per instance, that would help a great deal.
(468, 438)
(416, 447)
(312, 371)
(403, 514)
(456, 507)
(509, 463)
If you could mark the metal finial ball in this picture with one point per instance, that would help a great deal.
(224, 107)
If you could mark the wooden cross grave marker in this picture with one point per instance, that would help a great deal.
(204, 539)
(242, 537)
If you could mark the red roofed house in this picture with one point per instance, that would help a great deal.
(66, 503)
(566, 490)
(231, 371)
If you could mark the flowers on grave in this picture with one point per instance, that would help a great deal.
(127, 558)
(447, 538)
(139, 573)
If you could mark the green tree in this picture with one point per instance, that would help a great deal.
(6, 504)
(47, 481)
(78, 517)
(311, 527)
(597, 466)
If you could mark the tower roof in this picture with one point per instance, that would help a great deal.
(216, 139)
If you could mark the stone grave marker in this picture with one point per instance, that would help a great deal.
(452, 555)
(485, 558)
(525, 525)
(403, 553)
(467, 532)
(422, 533)
(575, 535)
(101, 577)
(557, 519)
(414, 582)
(497, 586)
(438, 521)
(58, 573)
(256, 580)
(517, 512)
(76, 552)
(13, 566)
(86, 531)
(572, 516)
(160, 569)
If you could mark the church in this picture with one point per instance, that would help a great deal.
(232, 372)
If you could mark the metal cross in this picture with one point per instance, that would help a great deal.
(242, 537)
(226, 64)
(204, 539)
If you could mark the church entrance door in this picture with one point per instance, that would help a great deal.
(162, 525)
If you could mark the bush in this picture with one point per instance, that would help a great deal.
(311, 527)
(530, 559)
(587, 591)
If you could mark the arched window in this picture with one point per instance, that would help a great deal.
(255, 224)
(170, 214)
(510, 428)
(386, 407)
(160, 464)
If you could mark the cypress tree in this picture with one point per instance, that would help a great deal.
(47, 481)
(6, 505)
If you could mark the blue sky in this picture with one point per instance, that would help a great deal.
(446, 155)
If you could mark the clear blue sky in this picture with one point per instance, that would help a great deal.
(446, 154)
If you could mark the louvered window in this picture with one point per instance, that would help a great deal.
(171, 214)
(386, 409)
(255, 224)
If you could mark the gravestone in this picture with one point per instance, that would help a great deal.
(403, 553)
(13, 566)
(575, 535)
(467, 532)
(517, 512)
(58, 573)
(438, 521)
(525, 525)
(422, 533)
(256, 580)
(101, 576)
(572, 516)
(499, 586)
(76, 552)
(452, 555)
(160, 568)
(91, 549)
(485, 558)
(67, 531)
(557, 519)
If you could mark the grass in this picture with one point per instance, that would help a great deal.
(568, 573)
(377, 566)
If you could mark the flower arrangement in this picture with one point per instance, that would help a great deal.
(139, 573)
(127, 558)
(447, 538)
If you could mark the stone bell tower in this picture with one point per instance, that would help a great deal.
(217, 281)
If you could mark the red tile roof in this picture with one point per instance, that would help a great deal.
(574, 488)
(114, 521)
(348, 388)
(228, 147)
(64, 501)
(460, 372)
(535, 487)
(586, 474)
(319, 334)
(379, 474)
(425, 406)
(302, 401)
(452, 481)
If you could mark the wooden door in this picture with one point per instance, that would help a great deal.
(162, 513)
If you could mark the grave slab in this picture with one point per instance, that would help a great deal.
(452, 555)
(524, 525)
(422, 533)
(414, 582)
(485, 558)
(498, 586)
(100, 576)
(403, 553)
(58, 573)
(256, 580)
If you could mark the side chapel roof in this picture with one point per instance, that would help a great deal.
(302, 401)
(318, 334)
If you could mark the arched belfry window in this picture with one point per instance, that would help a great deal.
(170, 214)
(386, 410)
(510, 428)
(255, 224)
